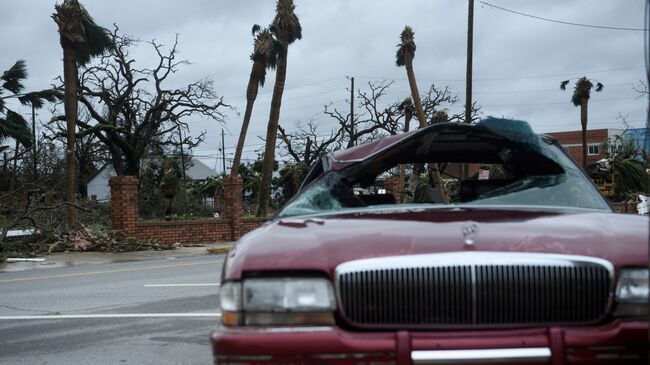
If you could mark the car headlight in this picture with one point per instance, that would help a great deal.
(632, 293)
(278, 301)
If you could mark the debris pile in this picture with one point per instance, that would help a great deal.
(86, 239)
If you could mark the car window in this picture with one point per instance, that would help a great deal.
(514, 167)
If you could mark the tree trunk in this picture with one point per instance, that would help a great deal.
(251, 95)
(82, 173)
(419, 111)
(12, 184)
(5, 165)
(402, 168)
(132, 168)
(34, 145)
(272, 132)
(415, 94)
(70, 106)
(116, 158)
(168, 208)
(583, 123)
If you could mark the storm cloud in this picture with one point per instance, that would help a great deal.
(519, 61)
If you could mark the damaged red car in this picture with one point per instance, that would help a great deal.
(454, 243)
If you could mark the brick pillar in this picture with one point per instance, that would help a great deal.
(124, 203)
(391, 185)
(232, 205)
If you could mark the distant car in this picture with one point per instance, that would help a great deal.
(525, 263)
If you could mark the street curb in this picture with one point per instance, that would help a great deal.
(218, 250)
(66, 259)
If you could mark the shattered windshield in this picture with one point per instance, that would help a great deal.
(496, 162)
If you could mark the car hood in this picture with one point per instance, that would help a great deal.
(321, 243)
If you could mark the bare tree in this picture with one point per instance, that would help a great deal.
(375, 119)
(304, 145)
(89, 152)
(133, 110)
(378, 117)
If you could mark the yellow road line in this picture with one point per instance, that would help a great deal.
(61, 276)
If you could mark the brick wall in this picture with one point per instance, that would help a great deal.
(232, 207)
(124, 202)
(187, 231)
(392, 186)
(249, 224)
(124, 208)
(193, 231)
(572, 143)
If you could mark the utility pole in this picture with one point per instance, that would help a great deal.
(464, 171)
(34, 147)
(468, 75)
(352, 109)
(180, 139)
(646, 45)
(223, 151)
(13, 172)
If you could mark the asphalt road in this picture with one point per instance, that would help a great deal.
(146, 312)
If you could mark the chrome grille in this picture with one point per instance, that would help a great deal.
(474, 290)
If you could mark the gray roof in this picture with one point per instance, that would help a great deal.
(196, 170)
(199, 171)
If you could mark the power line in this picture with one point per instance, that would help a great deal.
(559, 103)
(438, 80)
(525, 90)
(303, 96)
(512, 78)
(591, 123)
(562, 21)
(313, 106)
(291, 87)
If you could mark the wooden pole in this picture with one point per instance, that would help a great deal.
(15, 166)
(468, 74)
(464, 168)
(352, 109)
(34, 146)
(223, 150)
(180, 140)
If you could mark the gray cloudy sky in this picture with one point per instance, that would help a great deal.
(518, 61)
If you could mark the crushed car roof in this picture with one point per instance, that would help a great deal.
(516, 131)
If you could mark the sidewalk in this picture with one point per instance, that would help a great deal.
(68, 259)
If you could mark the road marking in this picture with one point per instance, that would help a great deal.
(175, 285)
(112, 315)
(109, 271)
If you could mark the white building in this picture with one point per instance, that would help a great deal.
(98, 184)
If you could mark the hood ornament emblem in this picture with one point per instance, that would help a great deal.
(470, 231)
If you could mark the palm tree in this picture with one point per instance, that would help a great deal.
(580, 97)
(626, 171)
(406, 106)
(286, 28)
(404, 57)
(81, 39)
(264, 56)
(13, 124)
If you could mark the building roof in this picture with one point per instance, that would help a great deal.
(199, 171)
(196, 170)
